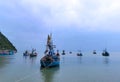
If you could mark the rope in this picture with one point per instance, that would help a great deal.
(28, 76)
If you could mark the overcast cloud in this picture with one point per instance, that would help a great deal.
(39, 17)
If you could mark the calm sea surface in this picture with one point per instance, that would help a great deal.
(88, 68)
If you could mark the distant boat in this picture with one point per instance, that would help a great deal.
(70, 52)
(63, 53)
(94, 52)
(50, 59)
(26, 53)
(33, 54)
(105, 53)
(79, 53)
(7, 52)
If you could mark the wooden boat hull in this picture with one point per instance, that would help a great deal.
(105, 54)
(26, 54)
(49, 63)
(33, 54)
(94, 53)
(79, 54)
(6, 52)
(63, 53)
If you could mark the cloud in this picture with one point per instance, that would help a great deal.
(28, 21)
(85, 14)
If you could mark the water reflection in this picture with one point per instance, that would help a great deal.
(4, 60)
(25, 57)
(48, 74)
(106, 60)
(63, 59)
(32, 60)
(80, 59)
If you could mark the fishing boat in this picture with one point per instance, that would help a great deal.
(7, 52)
(63, 52)
(70, 52)
(50, 59)
(33, 53)
(26, 53)
(79, 53)
(94, 52)
(105, 53)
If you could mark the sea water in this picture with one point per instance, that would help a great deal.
(87, 68)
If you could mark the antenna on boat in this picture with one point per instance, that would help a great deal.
(51, 34)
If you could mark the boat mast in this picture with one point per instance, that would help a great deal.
(50, 46)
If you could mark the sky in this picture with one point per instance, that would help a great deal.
(75, 24)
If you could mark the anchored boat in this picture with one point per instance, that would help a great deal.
(7, 52)
(94, 52)
(34, 53)
(51, 58)
(80, 53)
(105, 53)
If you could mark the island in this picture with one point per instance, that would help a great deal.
(6, 47)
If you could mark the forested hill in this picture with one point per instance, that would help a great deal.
(5, 44)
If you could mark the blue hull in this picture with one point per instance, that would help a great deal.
(6, 53)
(24, 54)
(49, 63)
